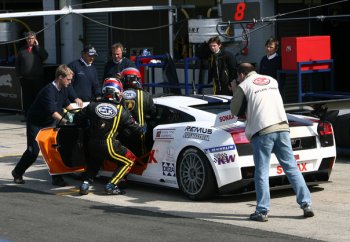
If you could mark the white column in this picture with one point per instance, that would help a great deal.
(50, 32)
(171, 29)
(71, 31)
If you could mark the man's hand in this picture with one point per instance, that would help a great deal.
(79, 102)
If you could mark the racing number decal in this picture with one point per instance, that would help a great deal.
(239, 13)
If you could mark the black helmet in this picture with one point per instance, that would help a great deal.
(131, 78)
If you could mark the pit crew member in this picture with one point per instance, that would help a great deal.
(104, 120)
(140, 104)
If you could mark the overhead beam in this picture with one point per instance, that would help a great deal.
(69, 10)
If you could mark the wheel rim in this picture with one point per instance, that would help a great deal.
(192, 174)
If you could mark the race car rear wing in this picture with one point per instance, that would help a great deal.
(325, 109)
(226, 121)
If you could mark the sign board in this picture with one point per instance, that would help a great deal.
(10, 89)
(242, 11)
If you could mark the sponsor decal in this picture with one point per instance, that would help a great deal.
(129, 94)
(302, 167)
(165, 134)
(196, 136)
(198, 130)
(261, 81)
(168, 169)
(197, 133)
(129, 99)
(223, 158)
(220, 148)
(151, 158)
(130, 104)
(106, 110)
(226, 117)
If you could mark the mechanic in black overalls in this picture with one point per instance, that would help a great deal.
(141, 106)
(104, 121)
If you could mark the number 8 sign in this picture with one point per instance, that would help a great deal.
(243, 11)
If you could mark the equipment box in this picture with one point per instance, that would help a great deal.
(304, 49)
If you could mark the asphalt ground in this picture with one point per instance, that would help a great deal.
(330, 200)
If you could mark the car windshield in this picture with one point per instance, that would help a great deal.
(214, 108)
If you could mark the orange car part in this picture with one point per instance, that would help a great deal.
(47, 141)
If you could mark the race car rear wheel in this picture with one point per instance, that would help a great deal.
(195, 175)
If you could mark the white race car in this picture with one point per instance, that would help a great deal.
(201, 149)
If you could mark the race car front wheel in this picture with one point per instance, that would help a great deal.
(195, 175)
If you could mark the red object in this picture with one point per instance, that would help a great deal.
(303, 49)
(245, 51)
(133, 58)
(145, 60)
(142, 72)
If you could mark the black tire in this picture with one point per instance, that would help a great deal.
(195, 175)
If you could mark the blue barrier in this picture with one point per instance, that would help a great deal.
(139, 63)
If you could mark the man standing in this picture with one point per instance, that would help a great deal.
(85, 85)
(29, 69)
(222, 68)
(271, 62)
(114, 67)
(45, 112)
(268, 131)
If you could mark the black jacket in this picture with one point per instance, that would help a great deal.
(140, 104)
(29, 65)
(111, 68)
(222, 70)
(105, 120)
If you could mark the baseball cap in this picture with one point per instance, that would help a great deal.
(90, 50)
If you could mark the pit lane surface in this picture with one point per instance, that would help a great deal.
(330, 200)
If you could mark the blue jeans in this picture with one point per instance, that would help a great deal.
(280, 144)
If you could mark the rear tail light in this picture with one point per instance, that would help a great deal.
(238, 136)
(325, 132)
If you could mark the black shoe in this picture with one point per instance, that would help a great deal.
(112, 189)
(123, 184)
(84, 188)
(17, 178)
(308, 212)
(259, 216)
(58, 181)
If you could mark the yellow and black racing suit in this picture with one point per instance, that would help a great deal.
(104, 120)
(141, 106)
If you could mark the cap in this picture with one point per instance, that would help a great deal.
(90, 50)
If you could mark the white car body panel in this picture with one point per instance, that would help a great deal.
(171, 139)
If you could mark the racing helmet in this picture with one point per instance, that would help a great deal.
(112, 89)
(131, 78)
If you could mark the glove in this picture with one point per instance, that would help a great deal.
(144, 128)
(69, 117)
